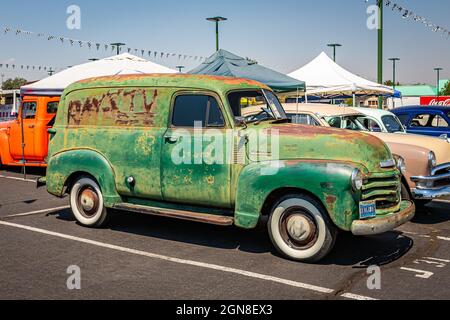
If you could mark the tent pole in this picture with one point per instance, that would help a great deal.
(306, 97)
(354, 99)
(297, 100)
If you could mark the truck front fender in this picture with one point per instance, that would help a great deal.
(329, 182)
(64, 165)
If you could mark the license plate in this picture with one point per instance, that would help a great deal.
(367, 209)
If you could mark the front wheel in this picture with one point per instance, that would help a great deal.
(300, 229)
(86, 202)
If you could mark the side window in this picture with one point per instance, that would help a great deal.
(439, 122)
(303, 119)
(189, 109)
(372, 125)
(29, 110)
(429, 121)
(52, 107)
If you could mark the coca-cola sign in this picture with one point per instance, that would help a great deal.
(435, 101)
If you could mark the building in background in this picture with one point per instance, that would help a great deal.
(420, 94)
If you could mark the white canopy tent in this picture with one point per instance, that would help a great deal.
(116, 65)
(324, 77)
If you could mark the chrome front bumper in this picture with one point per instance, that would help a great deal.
(435, 186)
(382, 224)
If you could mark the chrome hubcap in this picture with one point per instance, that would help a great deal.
(88, 201)
(299, 228)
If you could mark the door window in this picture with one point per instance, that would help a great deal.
(303, 119)
(29, 110)
(429, 121)
(191, 109)
(52, 107)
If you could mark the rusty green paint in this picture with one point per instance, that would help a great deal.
(112, 148)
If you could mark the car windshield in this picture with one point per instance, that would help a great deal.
(346, 122)
(256, 105)
(392, 124)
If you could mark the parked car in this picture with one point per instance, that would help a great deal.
(426, 120)
(377, 120)
(37, 114)
(132, 143)
(427, 159)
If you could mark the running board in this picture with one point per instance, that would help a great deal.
(178, 214)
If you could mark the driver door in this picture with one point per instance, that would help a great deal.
(194, 158)
(27, 115)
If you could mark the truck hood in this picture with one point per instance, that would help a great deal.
(301, 142)
(440, 147)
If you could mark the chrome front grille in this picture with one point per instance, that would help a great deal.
(385, 191)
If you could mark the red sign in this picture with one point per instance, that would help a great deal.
(435, 101)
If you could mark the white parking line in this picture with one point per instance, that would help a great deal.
(37, 212)
(356, 297)
(183, 261)
(17, 179)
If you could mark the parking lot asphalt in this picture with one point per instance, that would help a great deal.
(147, 257)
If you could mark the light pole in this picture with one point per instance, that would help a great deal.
(380, 4)
(334, 46)
(438, 71)
(118, 45)
(3, 78)
(394, 60)
(217, 20)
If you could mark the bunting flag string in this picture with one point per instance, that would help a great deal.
(409, 15)
(98, 45)
(16, 66)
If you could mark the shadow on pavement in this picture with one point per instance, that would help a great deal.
(30, 171)
(359, 252)
(434, 213)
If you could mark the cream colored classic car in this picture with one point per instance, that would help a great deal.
(426, 160)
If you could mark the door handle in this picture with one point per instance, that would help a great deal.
(172, 139)
(31, 126)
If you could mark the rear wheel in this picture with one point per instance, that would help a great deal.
(86, 201)
(300, 229)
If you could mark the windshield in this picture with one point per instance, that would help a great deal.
(392, 124)
(256, 105)
(345, 122)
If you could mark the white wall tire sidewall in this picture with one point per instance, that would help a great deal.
(97, 218)
(306, 254)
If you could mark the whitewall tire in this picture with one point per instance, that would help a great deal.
(86, 202)
(300, 229)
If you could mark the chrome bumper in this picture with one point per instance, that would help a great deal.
(427, 188)
(382, 224)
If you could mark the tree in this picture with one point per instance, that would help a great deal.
(390, 83)
(446, 89)
(13, 84)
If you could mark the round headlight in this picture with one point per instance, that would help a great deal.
(357, 180)
(432, 162)
(401, 164)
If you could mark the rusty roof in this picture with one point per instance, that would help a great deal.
(207, 82)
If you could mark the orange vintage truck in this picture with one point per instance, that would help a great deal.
(38, 116)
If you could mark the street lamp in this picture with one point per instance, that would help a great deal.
(217, 20)
(117, 45)
(438, 70)
(334, 45)
(394, 60)
(180, 68)
(380, 4)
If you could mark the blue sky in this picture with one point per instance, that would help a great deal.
(283, 34)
